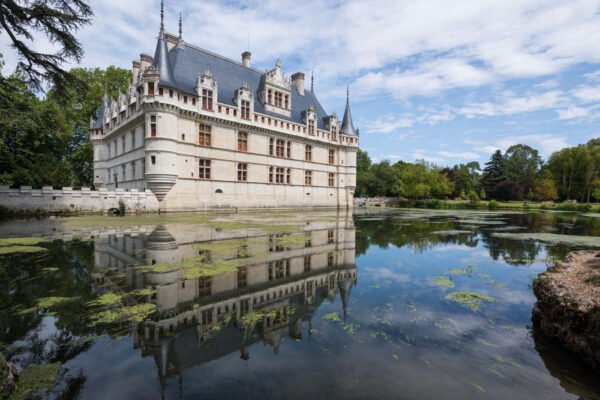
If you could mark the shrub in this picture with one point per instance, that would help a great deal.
(547, 206)
(434, 203)
(122, 207)
(482, 194)
(570, 206)
(493, 205)
(473, 198)
(584, 207)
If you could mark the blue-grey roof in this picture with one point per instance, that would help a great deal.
(163, 62)
(347, 125)
(191, 61)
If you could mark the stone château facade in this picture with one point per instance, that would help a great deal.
(202, 131)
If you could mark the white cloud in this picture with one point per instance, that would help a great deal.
(466, 155)
(587, 94)
(515, 105)
(545, 143)
(573, 112)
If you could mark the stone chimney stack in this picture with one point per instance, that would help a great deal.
(136, 71)
(246, 59)
(298, 81)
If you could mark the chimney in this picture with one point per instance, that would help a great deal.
(298, 81)
(146, 61)
(136, 70)
(246, 59)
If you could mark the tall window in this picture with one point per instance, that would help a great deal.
(308, 152)
(331, 179)
(288, 176)
(153, 125)
(133, 170)
(242, 141)
(278, 99)
(271, 146)
(207, 99)
(170, 93)
(242, 174)
(204, 135)
(307, 263)
(271, 174)
(123, 173)
(311, 127)
(160, 91)
(242, 277)
(132, 140)
(150, 87)
(279, 148)
(204, 284)
(334, 133)
(270, 97)
(308, 178)
(204, 169)
(245, 109)
(331, 157)
(287, 101)
(289, 149)
(279, 175)
(153, 160)
(330, 236)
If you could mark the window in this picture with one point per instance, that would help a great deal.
(207, 99)
(133, 170)
(184, 99)
(123, 173)
(279, 175)
(287, 103)
(331, 179)
(153, 125)
(307, 263)
(308, 178)
(204, 169)
(242, 141)
(271, 174)
(311, 127)
(308, 152)
(334, 133)
(330, 259)
(207, 316)
(160, 91)
(242, 174)
(123, 144)
(152, 160)
(245, 109)
(204, 135)
(271, 146)
(331, 157)
(330, 236)
(269, 97)
(171, 93)
(278, 99)
(193, 101)
(288, 176)
(279, 149)
(132, 140)
(242, 277)
(289, 149)
(150, 87)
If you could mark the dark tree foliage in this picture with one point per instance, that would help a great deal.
(493, 173)
(508, 190)
(59, 20)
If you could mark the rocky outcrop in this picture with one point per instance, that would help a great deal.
(568, 305)
(8, 377)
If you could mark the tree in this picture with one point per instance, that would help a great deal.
(59, 20)
(569, 167)
(482, 194)
(363, 161)
(508, 190)
(522, 166)
(493, 173)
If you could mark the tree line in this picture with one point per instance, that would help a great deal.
(519, 173)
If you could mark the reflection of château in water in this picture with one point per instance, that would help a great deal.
(277, 275)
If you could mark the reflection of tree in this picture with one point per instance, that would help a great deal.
(417, 235)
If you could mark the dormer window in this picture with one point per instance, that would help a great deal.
(170, 93)
(245, 109)
(311, 127)
(334, 133)
(278, 99)
(150, 88)
(270, 97)
(207, 99)
(287, 101)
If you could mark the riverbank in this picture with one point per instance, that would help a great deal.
(568, 306)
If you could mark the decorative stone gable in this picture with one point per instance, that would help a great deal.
(309, 114)
(206, 81)
(332, 121)
(276, 91)
(244, 93)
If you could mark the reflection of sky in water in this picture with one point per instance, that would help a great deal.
(401, 337)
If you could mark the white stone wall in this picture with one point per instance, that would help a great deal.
(66, 199)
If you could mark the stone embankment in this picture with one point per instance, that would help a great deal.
(568, 305)
(67, 200)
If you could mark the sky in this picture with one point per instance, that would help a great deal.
(446, 81)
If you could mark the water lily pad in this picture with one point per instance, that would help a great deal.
(469, 299)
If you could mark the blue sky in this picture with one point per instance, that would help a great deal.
(447, 81)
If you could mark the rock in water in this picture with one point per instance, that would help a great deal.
(8, 377)
(568, 305)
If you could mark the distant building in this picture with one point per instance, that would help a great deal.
(202, 131)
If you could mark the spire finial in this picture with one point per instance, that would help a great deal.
(312, 82)
(348, 94)
(180, 29)
(162, 15)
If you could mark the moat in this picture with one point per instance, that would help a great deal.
(410, 304)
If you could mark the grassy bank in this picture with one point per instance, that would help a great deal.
(511, 205)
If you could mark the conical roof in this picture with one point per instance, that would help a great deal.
(347, 124)
(161, 56)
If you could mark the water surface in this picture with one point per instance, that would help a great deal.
(402, 304)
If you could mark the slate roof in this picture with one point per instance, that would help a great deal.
(347, 125)
(98, 118)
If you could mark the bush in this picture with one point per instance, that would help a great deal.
(547, 206)
(473, 198)
(434, 203)
(584, 207)
(122, 207)
(570, 206)
(493, 205)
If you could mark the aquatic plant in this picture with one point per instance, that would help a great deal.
(552, 238)
(469, 299)
(443, 282)
(334, 317)
(34, 379)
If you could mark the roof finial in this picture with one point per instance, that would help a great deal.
(180, 29)
(162, 15)
(348, 94)
(312, 82)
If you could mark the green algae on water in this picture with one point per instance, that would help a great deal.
(442, 281)
(132, 314)
(5, 250)
(331, 317)
(552, 238)
(35, 378)
(469, 299)
(28, 241)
